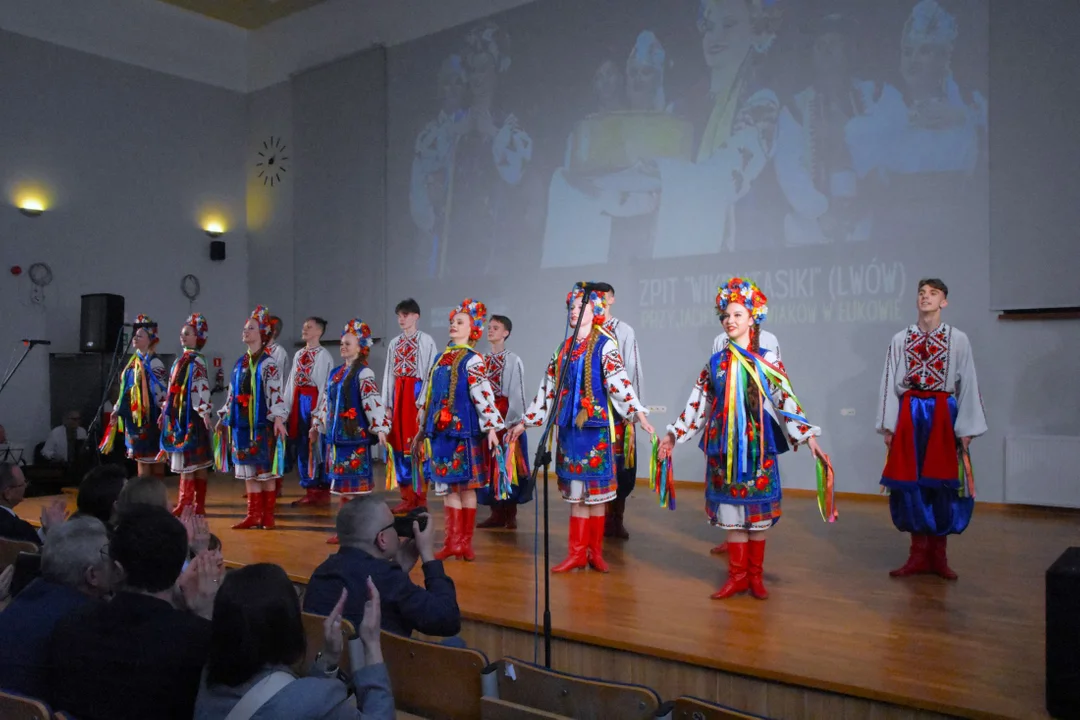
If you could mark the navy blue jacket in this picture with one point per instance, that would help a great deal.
(431, 610)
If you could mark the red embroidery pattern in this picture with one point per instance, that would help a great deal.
(926, 358)
(305, 366)
(406, 356)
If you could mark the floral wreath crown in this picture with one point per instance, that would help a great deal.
(745, 293)
(360, 330)
(198, 323)
(597, 299)
(262, 316)
(477, 312)
(151, 327)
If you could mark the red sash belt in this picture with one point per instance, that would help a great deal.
(938, 458)
(308, 391)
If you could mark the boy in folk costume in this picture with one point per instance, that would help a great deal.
(143, 386)
(625, 457)
(506, 373)
(930, 410)
(185, 417)
(409, 358)
(739, 401)
(597, 388)
(303, 392)
(460, 424)
(254, 414)
(351, 417)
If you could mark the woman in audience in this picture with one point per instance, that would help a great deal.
(257, 640)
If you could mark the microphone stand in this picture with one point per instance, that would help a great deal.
(29, 347)
(543, 458)
(91, 440)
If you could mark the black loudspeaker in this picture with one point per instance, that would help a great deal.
(102, 321)
(217, 250)
(1063, 636)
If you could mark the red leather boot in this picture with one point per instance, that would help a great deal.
(269, 505)
(452, 542)
(183, 496)
(277, 487)
(419, 500)
(497, 519)
(254, 512)
(596, 543)
(408, 497)
(757, 558)
(738, 580)
(719, 549)
(511, 516)
(468, 524)
(577, 557)
(918, 561)
(939, 562)
(200, 495)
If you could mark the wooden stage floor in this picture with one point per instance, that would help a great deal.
(835, 620)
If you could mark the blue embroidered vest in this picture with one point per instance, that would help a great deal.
(575, 378)
(346, 421)
(238, 417)
(461, 420)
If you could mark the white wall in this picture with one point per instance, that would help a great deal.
(130, 159)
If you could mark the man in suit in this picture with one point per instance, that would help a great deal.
(136, 655)
(12, 490)
(74, 572)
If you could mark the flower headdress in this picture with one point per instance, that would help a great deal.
(491, 39)
(198, 324)
(745, 293)
(477, 312)
(930, 24)
(360, 330)
(149, 326)
(765, 18)
(598, 300)
(262, 316)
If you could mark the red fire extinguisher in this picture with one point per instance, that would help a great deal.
(219, 376)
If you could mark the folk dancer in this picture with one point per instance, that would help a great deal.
(930, 410)
(304, 392)
(459, 425)
(351, 417)
(506, 373)
(185, 417)
(409, 358)
(739, 400)
(254, 416)
(143, 386)
(597, 387)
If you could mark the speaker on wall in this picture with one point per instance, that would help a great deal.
(217, 250)
(102, 321)
(1063, 636)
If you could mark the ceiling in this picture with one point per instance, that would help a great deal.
(248, 14)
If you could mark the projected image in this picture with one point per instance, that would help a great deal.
(692, 128)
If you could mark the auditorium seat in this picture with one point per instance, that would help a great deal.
(434, 681)
(313, 631)
(691, 708)
(10, 549)
(524, 690)
(20, 707)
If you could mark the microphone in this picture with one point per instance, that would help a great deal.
(32, 343)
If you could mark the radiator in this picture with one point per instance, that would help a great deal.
(1042, 470)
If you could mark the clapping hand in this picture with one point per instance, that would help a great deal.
(199, 584)
(371, 626)
(53, 514)
(332, 640)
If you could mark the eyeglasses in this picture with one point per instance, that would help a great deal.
(382, 531)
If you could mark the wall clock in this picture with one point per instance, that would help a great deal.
(271, 163)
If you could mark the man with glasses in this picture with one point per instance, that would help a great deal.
(12, 490)
(371, 547)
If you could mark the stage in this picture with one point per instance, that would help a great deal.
(837, 638)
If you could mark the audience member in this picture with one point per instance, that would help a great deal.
(138, 491)
(370, 547)
(257, 641)
(99, 491)
(137, 656)
(64, 441)
(12, 490)
(74, 573)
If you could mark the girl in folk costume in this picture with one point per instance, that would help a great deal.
(351, 416)
(185, 417)
(506, 373)
(597, 387)
(142, 391)
(311, 368)
(460, 423)
(739, 400)
(409, 358)
(254, 415)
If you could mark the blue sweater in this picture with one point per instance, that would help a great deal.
(432, 610)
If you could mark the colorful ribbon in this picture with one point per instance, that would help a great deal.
(629, 446)
(661, 476)
(277, 468)
(826, 490)
(500, 477)
(106, 445)
(220, 443)
(391, 468)
(967, 476)
(314, 455)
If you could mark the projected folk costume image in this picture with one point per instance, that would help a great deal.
(303, 393)
(929, 412)
(506, 373)
(143, 386)
(598, 389)
(351, 417)
(740, 398)
(459, 428)
(185, 417)
(252, 421)
(409, 358)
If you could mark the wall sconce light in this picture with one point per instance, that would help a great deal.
(214, 229)
(31, 207)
